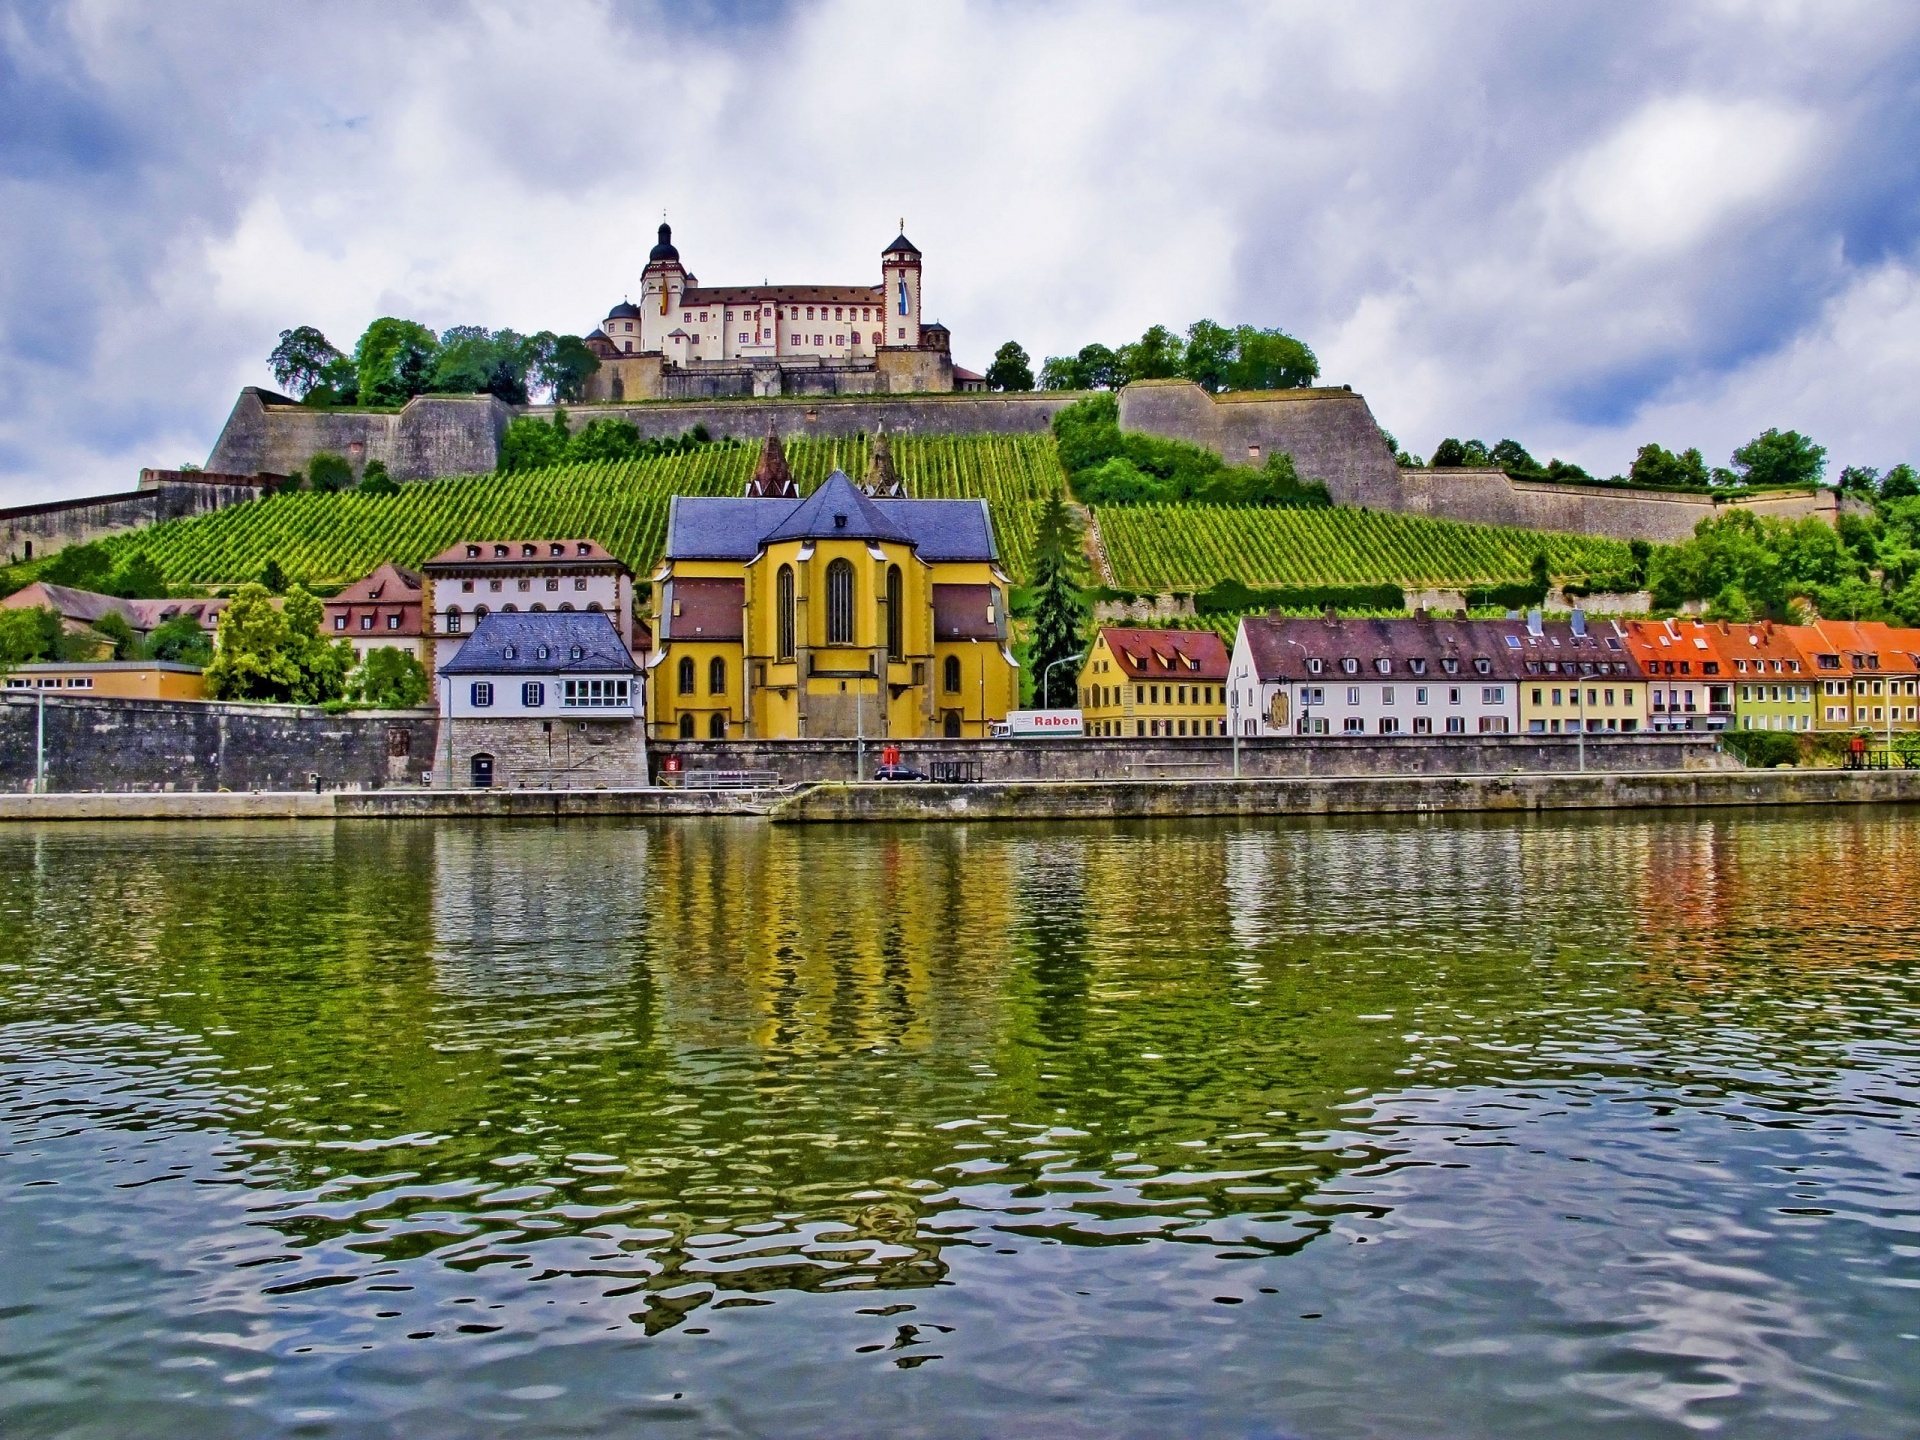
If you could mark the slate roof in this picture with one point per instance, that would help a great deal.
(705, 527)
(526, 633)
(901, 242)
(780, 295)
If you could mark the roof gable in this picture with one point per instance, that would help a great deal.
(837, 511)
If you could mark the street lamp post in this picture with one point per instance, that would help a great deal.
(1046, 678)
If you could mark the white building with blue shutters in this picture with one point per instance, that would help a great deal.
(547, 700)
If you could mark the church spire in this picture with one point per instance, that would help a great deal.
(883, 481)
(772, 479)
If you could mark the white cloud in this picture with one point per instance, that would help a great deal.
(1491, 220)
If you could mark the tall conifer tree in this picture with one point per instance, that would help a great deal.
(1059, 607)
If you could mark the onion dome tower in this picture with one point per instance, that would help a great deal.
(772, 480)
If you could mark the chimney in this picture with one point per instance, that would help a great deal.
(1420, 613)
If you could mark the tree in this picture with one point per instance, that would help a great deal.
(473, 360)
(1860, 480)
(180, 640)
(394, 361)
(272, 578)
(605, 439)
(136, 578)
(1270, 360)
(1463, 454)
(1156, 355)
(302, 360)
(1210, 352)
(83, 567)
(270, 653)
(1780, 457)
(562, 366)
(1011, 369)
(327, 473)
(115, 629)
(1900, 483)
(1662, 469)
(1512, 457)
(375, 480)
(1059, 608)
(1062, 372)
(30, 636)
(388, 679)
(531, 443)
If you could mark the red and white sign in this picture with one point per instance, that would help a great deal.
(1028, 723)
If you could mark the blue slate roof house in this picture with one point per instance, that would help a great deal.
(542, 700)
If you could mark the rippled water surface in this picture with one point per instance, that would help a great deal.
(1443, 1128)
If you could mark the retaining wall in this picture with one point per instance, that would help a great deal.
(432, 435)
(797, 761)
(32, 531)
(158, 745)
(1352, 795)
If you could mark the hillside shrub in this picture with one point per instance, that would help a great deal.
(388, 679)
(1232, 597)
(1108, 467)
(1762, 749)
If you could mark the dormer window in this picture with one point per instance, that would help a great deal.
(576, 652)
(556, 549)
(499, 552)
(1313, 665)
(528, 551)
(1385, 667)
(1350, 665)
(839, 522)
(585, 549)
(541, 653)
(1483, 666)
(473, 552)
(1418, 667)
(1450, 665)
(506, 652)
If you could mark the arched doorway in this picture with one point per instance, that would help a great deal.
(481, 767)
(951, 726)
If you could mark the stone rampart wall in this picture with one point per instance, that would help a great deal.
(1332, 437)
(797, 761)
(105, 744)
(432, 435)
(32, 531)
(837, 416)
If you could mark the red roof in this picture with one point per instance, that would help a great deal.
(507, 554)
(389, 585)
(1147, 654)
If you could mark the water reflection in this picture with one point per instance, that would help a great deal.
(365, 1085)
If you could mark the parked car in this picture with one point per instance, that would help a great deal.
(898, 772)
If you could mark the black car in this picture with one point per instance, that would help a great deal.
(898, 772)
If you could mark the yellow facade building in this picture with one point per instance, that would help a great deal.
(846, 613)
(116, 679)
(1155, 684)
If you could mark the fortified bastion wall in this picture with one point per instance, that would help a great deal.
(1332, 437)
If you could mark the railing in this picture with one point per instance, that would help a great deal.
(954, 772)
(729, 779)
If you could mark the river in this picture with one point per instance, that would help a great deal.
(1565, 1126)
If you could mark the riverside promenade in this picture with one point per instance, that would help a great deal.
(841, 802)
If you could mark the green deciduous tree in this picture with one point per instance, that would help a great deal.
(1011, 369)
(273, 579)
(30, 636)
(1663, 469)
(605, 439)
(562, 366)
(531, 443)
(303, 360)
(473, 360)
(388, 679)
(117, 633)
(327, 473)
(1209, 355)
(394, 361)
(1059, 608)
(276, 654)
(375, 480)
(180, 640)
(1780, 457)
(1156, 355)
(1269, 360)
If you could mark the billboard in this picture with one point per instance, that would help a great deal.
(1025, 724)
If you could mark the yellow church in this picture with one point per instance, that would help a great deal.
(854, 611)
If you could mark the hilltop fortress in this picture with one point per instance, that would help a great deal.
(687, 342)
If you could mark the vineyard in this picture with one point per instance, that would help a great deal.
(327, 539)
(1189, 547)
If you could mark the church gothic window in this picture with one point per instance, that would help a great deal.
(783, 608)
(895, 600)
(717, 676)
(952, 675)
(686, 675)
(840, 603)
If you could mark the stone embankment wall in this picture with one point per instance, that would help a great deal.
(837, 416)
(106, 744)
(432, 435)
(1354, 795)
(796, 761)
(1332, 437)
(33, 531)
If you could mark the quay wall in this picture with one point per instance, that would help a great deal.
(112, 744)
(1342, 795)
(795, 762)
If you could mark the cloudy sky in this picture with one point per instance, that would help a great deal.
(1583, 226)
